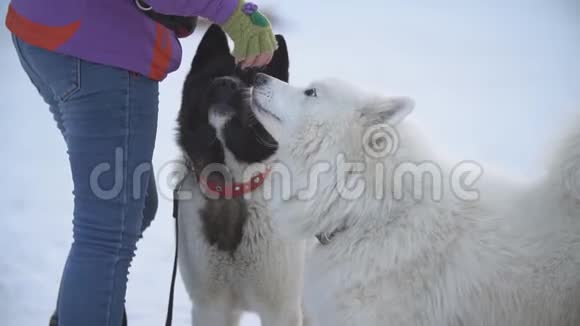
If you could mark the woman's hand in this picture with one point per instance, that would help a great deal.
(254, 41)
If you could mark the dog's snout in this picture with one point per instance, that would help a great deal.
(223, 88)
(226, 84)
(261, 80)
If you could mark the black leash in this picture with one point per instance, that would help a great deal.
(169, 319)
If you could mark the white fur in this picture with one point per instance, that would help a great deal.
(510, 258)
(265, 275)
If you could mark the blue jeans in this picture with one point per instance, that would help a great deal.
(108, 118)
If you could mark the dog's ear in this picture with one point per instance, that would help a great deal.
(280, 64)
(389, 111)
(214, 44)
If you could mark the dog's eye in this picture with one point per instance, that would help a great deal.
(311, 92)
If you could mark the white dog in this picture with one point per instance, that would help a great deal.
(409, 257)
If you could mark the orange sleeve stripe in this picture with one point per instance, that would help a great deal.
(161, 53)
(43, 36)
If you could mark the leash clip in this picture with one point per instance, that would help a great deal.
(143, 6)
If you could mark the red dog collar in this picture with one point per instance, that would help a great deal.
(234, 190)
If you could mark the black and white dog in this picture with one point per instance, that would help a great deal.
(231, 260)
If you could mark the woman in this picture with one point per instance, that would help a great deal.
(97, 64)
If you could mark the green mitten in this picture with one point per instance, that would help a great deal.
(250, 30)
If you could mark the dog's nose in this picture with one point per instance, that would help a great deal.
(261, 79)
(226, 84)
(223, 88)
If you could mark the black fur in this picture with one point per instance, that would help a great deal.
(215, 83)
(223, 222)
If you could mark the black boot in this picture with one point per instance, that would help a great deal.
(54, 319)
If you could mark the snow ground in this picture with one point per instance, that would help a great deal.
(493, 81)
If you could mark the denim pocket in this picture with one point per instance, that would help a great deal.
(50, 71)
(73, 84)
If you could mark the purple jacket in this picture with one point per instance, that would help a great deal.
(111, 32)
